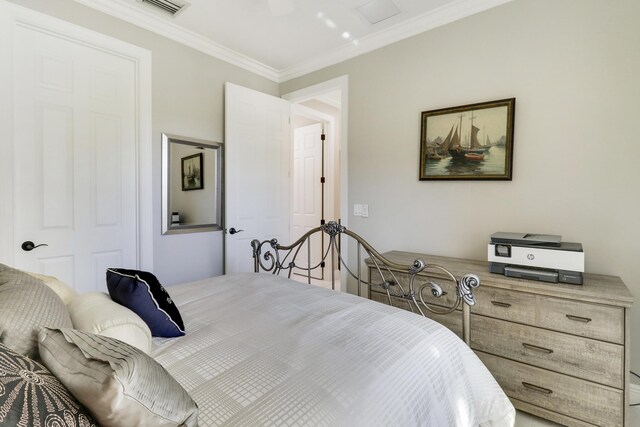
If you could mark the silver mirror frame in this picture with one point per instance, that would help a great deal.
(167, 227)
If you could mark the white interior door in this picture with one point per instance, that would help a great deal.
(307, 191)
(75, 158)
(258, 156)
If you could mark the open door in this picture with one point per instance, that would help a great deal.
(258, 157)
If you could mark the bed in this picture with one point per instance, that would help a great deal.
(259, 349)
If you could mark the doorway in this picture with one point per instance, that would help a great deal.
(249, 154)
(316, 194)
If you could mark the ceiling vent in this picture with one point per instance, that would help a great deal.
(170, 6)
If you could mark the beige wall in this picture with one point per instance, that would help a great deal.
(188, 101)
(574, 67)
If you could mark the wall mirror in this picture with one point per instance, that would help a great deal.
(191, 185)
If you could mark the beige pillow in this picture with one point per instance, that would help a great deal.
(26, 305)
(95, 312)
(64, 291)
(117, 383)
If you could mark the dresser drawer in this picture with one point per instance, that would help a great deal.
(601, 322)
(580, 399)
(446, 300)
(584, 358)
(504, 304)
(452, 321)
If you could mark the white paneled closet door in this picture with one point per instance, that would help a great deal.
(75, 158)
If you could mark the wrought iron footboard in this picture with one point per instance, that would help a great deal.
(272, 257)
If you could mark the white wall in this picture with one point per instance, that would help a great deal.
(574, 67)
(188, 101)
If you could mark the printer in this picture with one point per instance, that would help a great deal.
(541, 257)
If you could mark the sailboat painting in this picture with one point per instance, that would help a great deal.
(192, 172)
(470, 142)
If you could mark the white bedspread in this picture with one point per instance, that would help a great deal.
(264, 350)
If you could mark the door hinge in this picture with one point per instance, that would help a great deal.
(322, 179)
(322, 264)
(322, 222)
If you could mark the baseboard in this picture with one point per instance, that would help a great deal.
(634, 393)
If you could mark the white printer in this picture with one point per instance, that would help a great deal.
(536, 256)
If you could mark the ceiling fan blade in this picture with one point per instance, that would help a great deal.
(280, 7)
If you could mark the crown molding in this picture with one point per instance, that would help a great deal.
(138, 16)
(443, 15)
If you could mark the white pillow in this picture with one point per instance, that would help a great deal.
(96, 313)
(64, 291)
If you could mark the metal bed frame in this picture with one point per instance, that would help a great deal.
(271, 257)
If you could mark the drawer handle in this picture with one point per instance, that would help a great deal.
(536, 388)
(501, 304)
(387, 284)
(578, 318)
(536, 348)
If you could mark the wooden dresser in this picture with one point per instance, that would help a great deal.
(559, 351)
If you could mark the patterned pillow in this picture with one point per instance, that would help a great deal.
(141, 292)
(26, 305)
(31, 396)
(119, 384)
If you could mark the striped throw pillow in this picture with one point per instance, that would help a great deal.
(119, 384)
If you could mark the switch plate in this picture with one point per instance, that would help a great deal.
(365, 211)
(357, 210)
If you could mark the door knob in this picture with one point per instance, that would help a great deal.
(29, 245)
(234, 231)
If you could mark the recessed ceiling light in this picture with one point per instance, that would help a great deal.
(346, 35)
(378, 10)
(330, 23)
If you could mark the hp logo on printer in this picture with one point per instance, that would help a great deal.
(530, 257)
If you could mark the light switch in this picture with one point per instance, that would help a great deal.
(357, 210)
(365, 211)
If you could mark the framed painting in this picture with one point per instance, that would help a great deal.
(470, 142)
(192, 172)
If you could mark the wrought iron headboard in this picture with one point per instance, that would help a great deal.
(272, 257)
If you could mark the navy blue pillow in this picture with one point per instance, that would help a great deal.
(141, 292)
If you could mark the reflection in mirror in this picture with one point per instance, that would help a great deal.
(191, 185)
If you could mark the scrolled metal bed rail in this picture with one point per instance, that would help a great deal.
(272, 257)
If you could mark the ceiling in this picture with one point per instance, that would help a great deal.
(284, 39)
